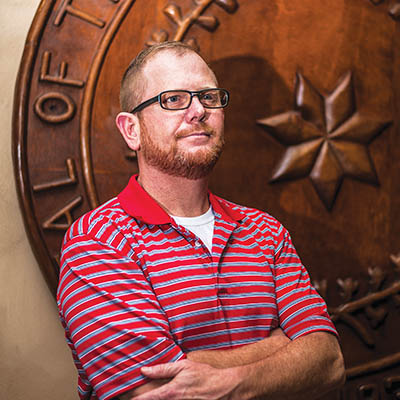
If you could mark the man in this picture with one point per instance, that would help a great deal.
(169, 292)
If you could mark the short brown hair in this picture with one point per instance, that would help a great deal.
(131, 85)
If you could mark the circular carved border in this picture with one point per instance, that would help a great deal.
(20, 129)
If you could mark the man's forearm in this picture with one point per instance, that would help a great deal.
(241, 355)
(304, 369)
(224, 358)
(279, 368)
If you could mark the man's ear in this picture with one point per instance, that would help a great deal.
(128, 125)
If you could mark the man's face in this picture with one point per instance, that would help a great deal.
(185, 143)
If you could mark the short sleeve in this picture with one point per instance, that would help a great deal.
(113, 321)
(301, 309)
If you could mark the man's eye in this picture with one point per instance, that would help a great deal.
(173, 99)
(210, 99)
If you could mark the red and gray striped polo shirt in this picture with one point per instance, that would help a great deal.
(137, 289)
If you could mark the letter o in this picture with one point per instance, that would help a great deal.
(55, 107)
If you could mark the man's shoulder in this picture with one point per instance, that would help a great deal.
(96, 222)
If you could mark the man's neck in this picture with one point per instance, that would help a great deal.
(178, 196)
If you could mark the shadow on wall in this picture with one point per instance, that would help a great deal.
(242, 174)
(257, 91)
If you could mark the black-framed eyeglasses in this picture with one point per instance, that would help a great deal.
(182, 99)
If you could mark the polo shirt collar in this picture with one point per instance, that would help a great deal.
(139, 204)
(221, 207)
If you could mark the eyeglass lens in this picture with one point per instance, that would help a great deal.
(179, 99)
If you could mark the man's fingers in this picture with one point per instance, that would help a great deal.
(161, 371)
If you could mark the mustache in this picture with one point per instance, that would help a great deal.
(197, 129)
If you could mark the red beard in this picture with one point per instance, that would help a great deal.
(176, 162)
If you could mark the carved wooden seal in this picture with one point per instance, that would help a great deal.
(292, 120)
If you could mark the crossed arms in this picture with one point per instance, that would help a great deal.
(273, 368)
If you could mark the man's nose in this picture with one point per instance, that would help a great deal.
(196, 110)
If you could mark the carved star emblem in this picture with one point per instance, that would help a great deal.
(326, 137)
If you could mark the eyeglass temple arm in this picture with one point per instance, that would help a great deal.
(145, 104)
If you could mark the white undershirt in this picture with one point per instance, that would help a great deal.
(202, 226)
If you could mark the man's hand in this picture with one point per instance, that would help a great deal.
(190, 380)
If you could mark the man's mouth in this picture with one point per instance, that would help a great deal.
(193, 134)
(200, 132)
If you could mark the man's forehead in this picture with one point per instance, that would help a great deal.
(169, 58)
(171, 63)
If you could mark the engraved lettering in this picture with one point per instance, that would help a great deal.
(62, 73)
(54, 107)
(51, 222)
(67, 8)
(72, 178)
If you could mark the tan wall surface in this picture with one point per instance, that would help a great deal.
(35, 362)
